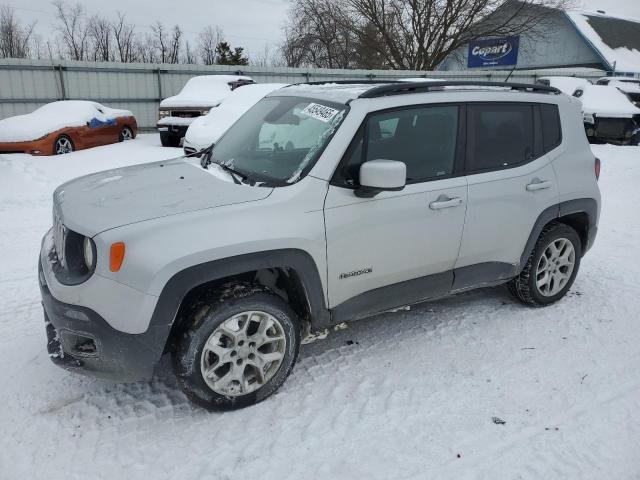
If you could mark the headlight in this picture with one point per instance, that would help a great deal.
(89, 253)
(164, 113)
(589, 118)
(204, 112)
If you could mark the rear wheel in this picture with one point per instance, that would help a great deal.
(62, 145)
(125, 134)
(551, 268)
(238, 350)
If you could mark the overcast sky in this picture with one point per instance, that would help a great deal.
(252, 24)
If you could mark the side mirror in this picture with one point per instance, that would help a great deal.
(381, 175)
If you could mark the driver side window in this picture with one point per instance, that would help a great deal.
(424, 138)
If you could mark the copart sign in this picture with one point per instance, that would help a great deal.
(493, 52)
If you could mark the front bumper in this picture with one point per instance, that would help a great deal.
(80, 340)
(173, 130)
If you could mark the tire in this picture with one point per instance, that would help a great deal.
(169, 140)
(62, 145)
(126, 134)
(526, 286)
(212, 345)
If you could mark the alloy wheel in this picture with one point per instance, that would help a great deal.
(555, 267)
(243, 353)
(63, 145)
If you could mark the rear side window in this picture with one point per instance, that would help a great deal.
(500, 136)
(551, 130)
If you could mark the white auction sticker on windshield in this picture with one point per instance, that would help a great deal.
(320, 112)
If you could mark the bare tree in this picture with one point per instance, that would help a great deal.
(208, 39)
(15, 39)
(190, 56)
(175, 45)
(320, 33)
(145, 49)
(402, 34)
(73, 29)
(100, 39)
(124, 38)
(267, 58)
(161, 41)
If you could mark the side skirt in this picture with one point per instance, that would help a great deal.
(421, 289)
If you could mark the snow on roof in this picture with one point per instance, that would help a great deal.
(607, 101)
(617, 39)
(55, 116)
(332, 92)
(208, 128)
(203, 91)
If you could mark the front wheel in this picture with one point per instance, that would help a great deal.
(125, 134)
(551, 268)
(238, 350)
(62, 145)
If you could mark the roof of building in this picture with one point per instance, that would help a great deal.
(615, 39)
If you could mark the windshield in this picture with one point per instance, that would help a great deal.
(279, 139)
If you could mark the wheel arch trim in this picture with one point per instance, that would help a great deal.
(182, 282)
(588, 206)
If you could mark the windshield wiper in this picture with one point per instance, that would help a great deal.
(207, 159)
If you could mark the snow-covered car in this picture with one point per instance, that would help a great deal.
(66, 126)
(629, 85)
(609, 115)
(197, 98)
(208, 128)
(566, 85)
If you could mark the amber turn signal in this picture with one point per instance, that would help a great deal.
(116, 256)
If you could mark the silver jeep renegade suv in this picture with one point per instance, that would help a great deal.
(322, 204)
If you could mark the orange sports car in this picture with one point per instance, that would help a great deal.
(66, 126)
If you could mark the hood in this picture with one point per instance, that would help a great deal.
(203, 91)
(113, 198)
(606, 101)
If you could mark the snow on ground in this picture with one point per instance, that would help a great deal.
(404, 395)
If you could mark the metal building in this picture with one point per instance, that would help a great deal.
(562, 40)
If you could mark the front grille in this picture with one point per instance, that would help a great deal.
(613, 127)
(185, 113)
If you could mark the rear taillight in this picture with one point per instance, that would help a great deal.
(596, 168)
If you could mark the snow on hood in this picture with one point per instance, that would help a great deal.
(626, 86)
(203, 91)
(54, 116)
(567, 85)
(607, 101)
(207, 129)
(113, 198)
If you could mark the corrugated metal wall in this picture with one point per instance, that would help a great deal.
(27, 84)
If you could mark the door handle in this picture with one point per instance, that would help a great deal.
(537, 184)
(443, 201)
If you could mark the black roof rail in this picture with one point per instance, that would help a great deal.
(422, 87)
(367, 81)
